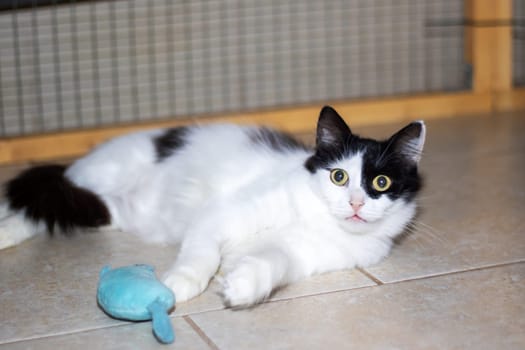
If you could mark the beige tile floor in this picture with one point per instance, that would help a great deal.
(456, 282)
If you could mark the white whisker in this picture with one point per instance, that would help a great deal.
(421, 230)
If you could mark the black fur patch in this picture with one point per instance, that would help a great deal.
(327, 155)
(276, 140)
(171, 140)
(393, 157)
(381, 159)
(45, 194)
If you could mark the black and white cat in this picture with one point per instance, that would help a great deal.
(255, 202)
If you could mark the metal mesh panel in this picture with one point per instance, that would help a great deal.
(77, 64)
(518, 42)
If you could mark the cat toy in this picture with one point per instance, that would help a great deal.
(133, 293)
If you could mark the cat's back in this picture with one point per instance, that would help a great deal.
(229, 156)
(222, 142)
(217, 157)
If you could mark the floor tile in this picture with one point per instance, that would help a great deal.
(471, 216)
(471, 310)
(325, 283)
(48, 286)
(131, 336)
(479, 135)
(330, 282)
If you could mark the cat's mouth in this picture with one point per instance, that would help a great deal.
(356, 218)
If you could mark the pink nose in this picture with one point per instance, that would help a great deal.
(356, 205)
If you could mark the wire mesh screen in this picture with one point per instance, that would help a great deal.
(77, 64)
(518, 42)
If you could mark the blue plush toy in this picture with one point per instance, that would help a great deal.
(133, 293)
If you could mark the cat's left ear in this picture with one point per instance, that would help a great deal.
(332, 130)
(410, 140)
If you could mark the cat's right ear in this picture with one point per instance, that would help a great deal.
(332, 130)
(410, 140)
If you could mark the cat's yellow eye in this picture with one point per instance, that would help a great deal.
(339, 177)
(381, 183)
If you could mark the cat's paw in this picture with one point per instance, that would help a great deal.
(245, 286)
(185, 284)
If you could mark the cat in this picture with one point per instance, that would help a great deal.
(251, 204)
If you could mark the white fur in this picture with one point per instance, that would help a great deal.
(257, 213)
(14, 228)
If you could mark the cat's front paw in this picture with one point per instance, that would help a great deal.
(185, 284)
(245, 286)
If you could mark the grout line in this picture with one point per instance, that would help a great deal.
(200, 332)
(304, 296)
(457, 272)
(378, 282)
(381, 283)
(370, 276)
(65, 333)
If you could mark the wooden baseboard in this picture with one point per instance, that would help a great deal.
(297, 119)
(513, 100)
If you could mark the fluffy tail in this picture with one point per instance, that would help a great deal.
(44, 194)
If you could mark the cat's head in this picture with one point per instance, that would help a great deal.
(369, 185)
